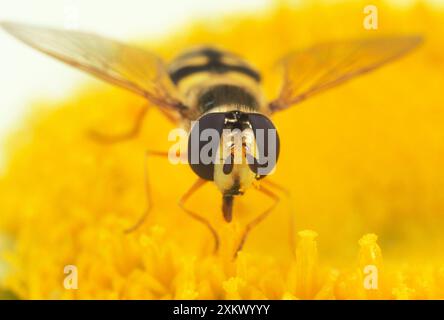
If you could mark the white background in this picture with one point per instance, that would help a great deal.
(26, 74)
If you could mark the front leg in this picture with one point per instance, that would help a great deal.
(259, 218)
(149, 206)
(194, 188)
(291, 215)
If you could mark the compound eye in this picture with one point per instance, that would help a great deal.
(203, 141)
(268, 145)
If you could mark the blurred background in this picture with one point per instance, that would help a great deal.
(365, 157)
(26, 75)
(33, 76)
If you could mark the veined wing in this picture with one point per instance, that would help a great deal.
(126, 66)
(324, 66)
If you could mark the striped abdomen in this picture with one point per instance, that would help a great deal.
(208, 78)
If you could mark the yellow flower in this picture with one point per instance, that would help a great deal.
(363, 158)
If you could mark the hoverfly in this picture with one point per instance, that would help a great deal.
(217, 90)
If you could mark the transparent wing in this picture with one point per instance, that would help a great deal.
(126, 66)
(326, 65)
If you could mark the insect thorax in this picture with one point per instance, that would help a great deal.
(208, 78)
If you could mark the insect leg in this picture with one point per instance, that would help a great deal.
(134, 130)
(289, 197)
(142, 218)
(131, 133)
(259, 218)
(196, 186)
(277, 186)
